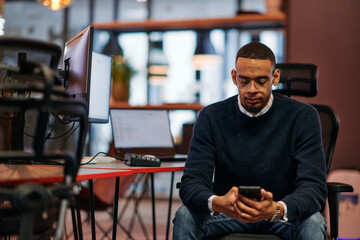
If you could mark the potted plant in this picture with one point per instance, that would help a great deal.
(121, 73)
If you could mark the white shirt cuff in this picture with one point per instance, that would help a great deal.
(210, 202)
(284, 218)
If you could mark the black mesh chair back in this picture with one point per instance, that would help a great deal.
(30, 95)
(14, 50)
(300, 79)
(297, 79)
(330, 127)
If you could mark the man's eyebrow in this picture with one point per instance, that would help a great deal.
(258, 77)
(241, 76)
(264, 76)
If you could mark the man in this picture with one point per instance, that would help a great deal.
(256, 138)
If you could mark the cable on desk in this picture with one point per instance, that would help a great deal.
(106, 154)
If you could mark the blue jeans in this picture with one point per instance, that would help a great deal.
(189, 224)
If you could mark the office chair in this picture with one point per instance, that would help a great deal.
(29, 86)
(301, 80)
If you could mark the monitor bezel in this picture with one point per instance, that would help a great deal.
(85, 84)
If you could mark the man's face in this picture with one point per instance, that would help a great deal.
(254, 78)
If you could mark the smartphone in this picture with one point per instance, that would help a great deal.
(252, 192)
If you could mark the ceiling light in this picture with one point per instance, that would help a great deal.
(55, 4)
(205, 53)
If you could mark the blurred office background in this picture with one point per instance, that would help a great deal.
(323, 32)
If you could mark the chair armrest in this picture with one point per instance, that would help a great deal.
(334, 187)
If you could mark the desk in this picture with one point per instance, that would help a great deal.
(16, 174)
(165, 167)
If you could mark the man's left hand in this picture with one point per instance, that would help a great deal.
(251, 211)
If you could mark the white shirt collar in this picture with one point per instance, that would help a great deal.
(262, 112)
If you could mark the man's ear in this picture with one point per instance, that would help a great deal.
(276, 77)
(233, 76)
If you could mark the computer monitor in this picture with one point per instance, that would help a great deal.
(87, 75)
(100, 81)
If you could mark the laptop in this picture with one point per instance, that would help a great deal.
(145, 132)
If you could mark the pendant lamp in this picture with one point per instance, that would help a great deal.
(55, 4)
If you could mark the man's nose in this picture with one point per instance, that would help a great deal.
(252, 87)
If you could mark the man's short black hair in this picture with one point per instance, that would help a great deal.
(256, 50)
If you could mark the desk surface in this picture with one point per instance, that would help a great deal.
(14, 174)
(88, 173)
(165, 167)
(169, 106)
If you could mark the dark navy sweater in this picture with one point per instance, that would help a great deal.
(280, 151)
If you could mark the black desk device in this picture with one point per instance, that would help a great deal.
(141, 160)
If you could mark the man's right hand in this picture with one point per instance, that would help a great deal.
(226, 204)
(247, 210)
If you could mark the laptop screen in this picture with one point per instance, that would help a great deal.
(145, 131)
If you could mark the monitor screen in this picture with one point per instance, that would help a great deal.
(89, 75)
(99, 88)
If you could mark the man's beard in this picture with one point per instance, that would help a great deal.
(254, 110)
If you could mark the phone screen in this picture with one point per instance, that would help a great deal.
(252, 192)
